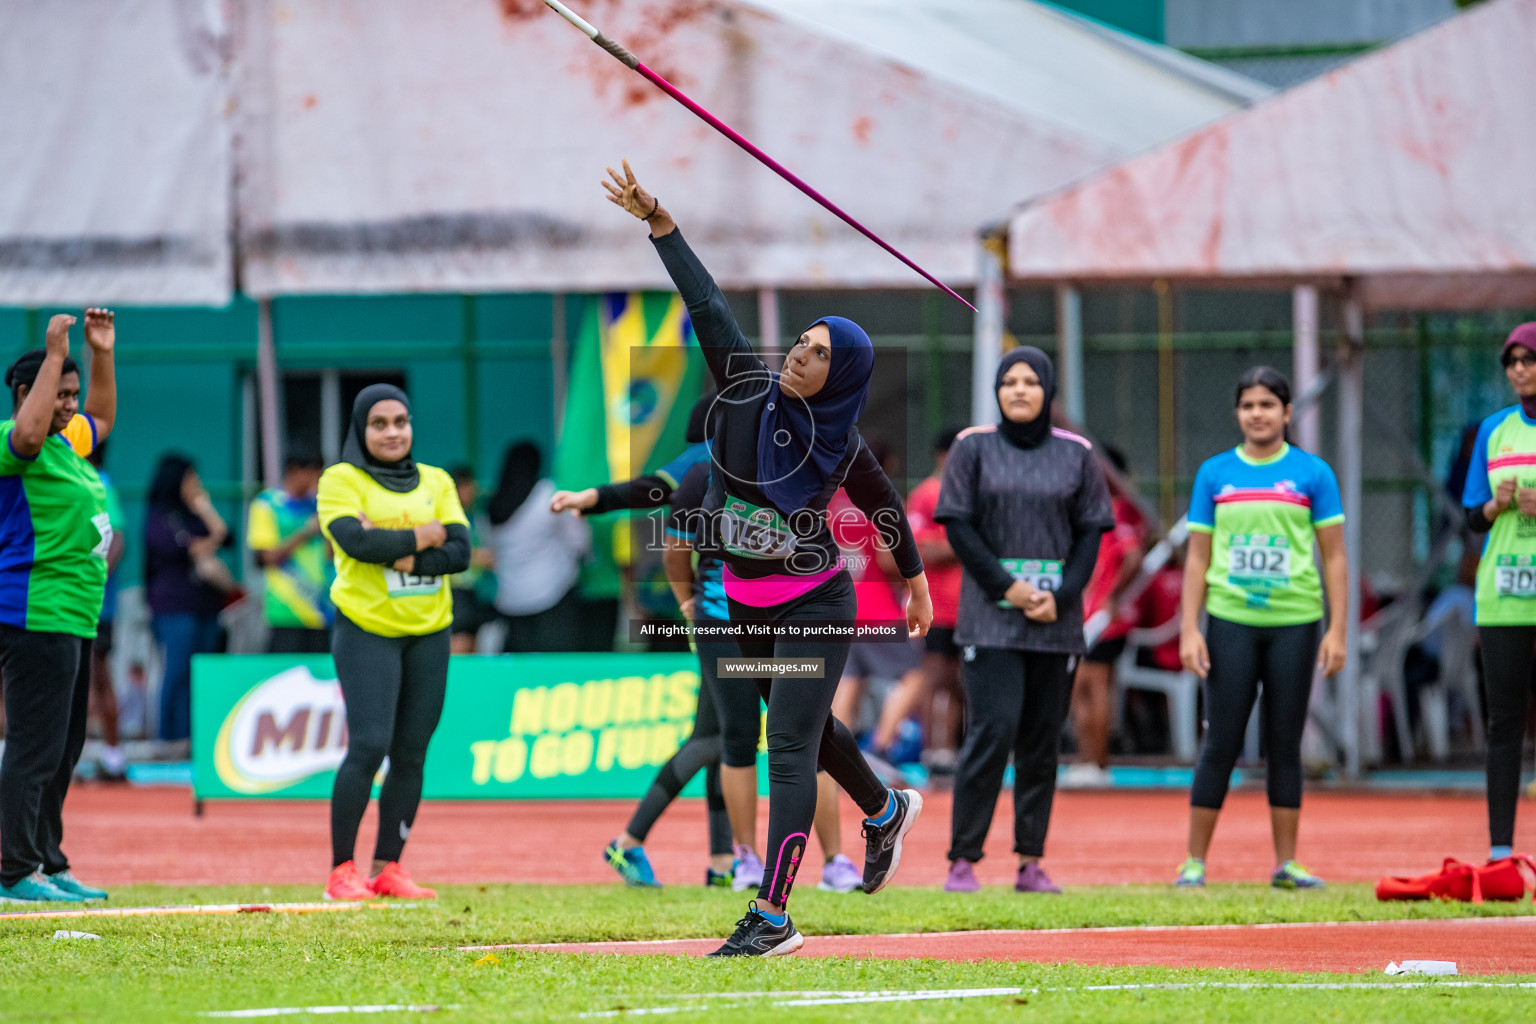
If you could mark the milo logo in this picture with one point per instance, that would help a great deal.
(284, 730)
(764, 517)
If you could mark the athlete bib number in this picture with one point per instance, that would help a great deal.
(1515, 575)
(103, 526)
(404, 584)
(1257, 559)
(1040, 573)
(749, 531)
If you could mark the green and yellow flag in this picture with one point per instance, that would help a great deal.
(635, 373)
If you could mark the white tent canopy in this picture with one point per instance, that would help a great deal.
(1407, 170)
(456, 145)
(116, 157)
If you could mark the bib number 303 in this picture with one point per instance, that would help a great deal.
(1515, 576)
(403, 584)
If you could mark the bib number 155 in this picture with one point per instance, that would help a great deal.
(404, 584)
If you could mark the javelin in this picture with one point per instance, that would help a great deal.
(632, 62)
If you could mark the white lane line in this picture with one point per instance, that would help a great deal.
(788, 1000)
(1522, 919)
(284, 1011)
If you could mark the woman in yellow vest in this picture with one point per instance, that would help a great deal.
(398, 531)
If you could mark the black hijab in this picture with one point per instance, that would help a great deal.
(400, 476)
(519, 473)
(1034, 433)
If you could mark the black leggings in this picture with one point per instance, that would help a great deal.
(1282, 657)
(702, 750)
(1508, 653)
(394, 689)
(802, 731)
(1015, 703)
(47, 688)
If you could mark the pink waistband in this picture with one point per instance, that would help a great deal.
(767, 591)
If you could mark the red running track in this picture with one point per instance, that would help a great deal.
(1477, 946)
(118, 835)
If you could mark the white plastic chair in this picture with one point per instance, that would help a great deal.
(1181, 688)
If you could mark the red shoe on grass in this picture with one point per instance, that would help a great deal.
(347, 883)
(394, 880)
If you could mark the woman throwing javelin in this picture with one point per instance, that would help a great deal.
(1254, 515)
(398, 531)
(783, 444)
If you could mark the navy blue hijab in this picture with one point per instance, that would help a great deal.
(817, 429)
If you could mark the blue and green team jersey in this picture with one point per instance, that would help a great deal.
(54, 533)
(1263, 516)
(298, 591)
(1506, 576)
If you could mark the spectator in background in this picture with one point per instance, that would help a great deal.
(283, 532)
(941, 658)
(112, 763)
(185, 584)
(878, 599)
(469, 611)
(538, 556)
(1118, 564)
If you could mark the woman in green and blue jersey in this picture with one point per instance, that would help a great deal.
(1500, 500)
(1254, 516)
(55, 535)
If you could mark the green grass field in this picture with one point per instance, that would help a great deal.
(176, 968)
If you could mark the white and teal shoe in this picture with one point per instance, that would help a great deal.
(1191, 874)
(1291, 875)
(67, 881)
(35, 888)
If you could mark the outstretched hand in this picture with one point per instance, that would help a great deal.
(625, 191)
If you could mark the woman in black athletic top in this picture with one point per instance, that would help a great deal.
(783, 444)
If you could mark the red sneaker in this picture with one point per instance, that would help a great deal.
(346, 883)
(394, 880)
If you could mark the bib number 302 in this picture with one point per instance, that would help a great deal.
(1259, 559)
(404, 584)
(1515, 576)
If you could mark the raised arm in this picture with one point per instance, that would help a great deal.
(35, 415)
(101, 398)
(726, 349)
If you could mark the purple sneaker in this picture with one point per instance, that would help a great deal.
(961, 878)
(840, 875)
(747, 871)
(1032, 878)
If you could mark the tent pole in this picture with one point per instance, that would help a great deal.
(266, 386)
(988, 348)
(1304, 318)
(559, 357)
(1351, 362)
(1069, 349)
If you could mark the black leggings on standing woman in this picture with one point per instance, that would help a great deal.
(1508, 654)
(802, 731)
(1015, 703)
(1283, 657)
(394, 689)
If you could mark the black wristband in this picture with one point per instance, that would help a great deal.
(655, 205)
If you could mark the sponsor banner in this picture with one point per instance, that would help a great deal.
(533, 725)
